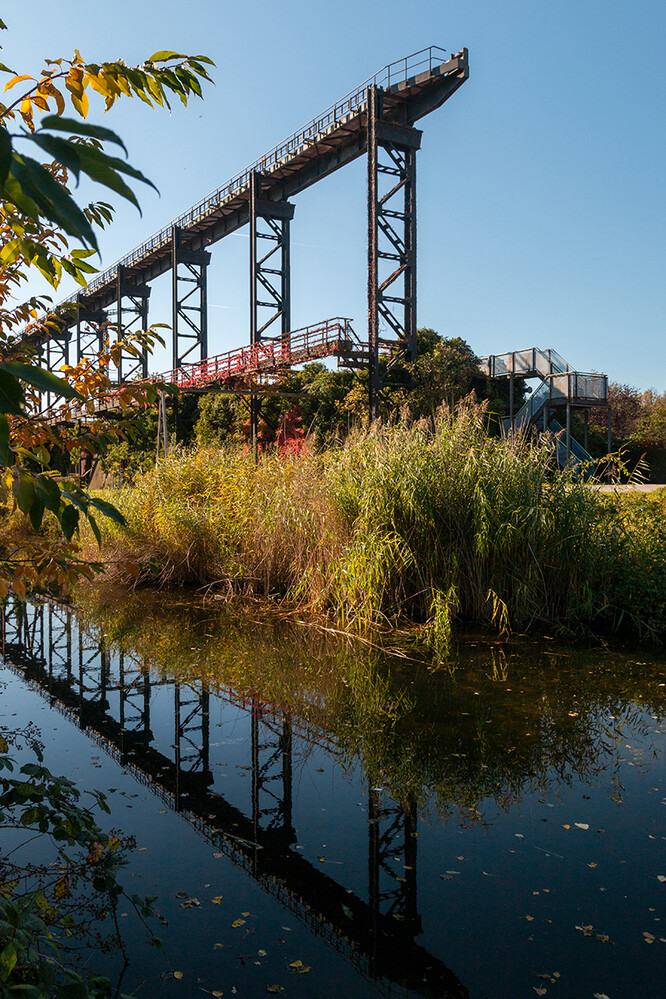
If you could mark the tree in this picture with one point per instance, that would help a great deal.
(43, 227)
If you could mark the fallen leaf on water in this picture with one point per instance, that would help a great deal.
(519, 836)
(218, 945)
(649, 938)
(216, 900)
(274, 989)
(600, 995)
(592, 864)
(567, 826)
(237, 922)
(296, 964)
(245, 914)
(582, 825)
(216, 856)
(217, 994)
(262, 953)
(178, 975)
(662, 878)
(181, 894)
(539, 992)
(529, 918)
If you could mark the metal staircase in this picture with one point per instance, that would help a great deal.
(560, 388)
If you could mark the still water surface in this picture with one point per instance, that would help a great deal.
(321, 819)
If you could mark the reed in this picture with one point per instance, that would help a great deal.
(426, 522)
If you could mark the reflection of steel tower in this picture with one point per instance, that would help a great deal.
(392, 859)
(271, 775)
(59, 654)
(134, 691)
(191, 733)
(94, 676)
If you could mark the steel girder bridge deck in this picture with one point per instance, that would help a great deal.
(376, 118)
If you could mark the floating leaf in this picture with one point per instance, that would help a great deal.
(274, 989)
(237, 922)
(581, 825)
(178, 975)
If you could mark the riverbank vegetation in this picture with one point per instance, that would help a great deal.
(428, 522)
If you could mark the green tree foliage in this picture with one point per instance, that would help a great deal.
(43, 227)
(48, 908)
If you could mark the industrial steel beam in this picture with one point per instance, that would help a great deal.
(391, 242)
(131, 317)
(189, 301)
(416, 87)
(270, 276)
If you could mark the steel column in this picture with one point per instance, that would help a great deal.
(270, 278)
(189, 301)
(131, 317)
(89, 335)
(391, 241)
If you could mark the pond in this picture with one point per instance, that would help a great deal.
(322, 818)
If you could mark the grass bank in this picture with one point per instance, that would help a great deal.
(403, 523)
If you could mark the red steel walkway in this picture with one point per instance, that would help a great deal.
(332, 338)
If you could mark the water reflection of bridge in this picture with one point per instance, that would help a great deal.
(109, 694)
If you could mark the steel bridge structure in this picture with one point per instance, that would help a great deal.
(377, 118)
(111, 693)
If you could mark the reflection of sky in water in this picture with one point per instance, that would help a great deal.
(469, 823)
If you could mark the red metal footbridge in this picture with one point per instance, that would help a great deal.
(376, 118)
(236, 368)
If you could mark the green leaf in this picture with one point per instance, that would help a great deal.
(95, 529)
(40, 378)
(8, 958)
(97, 156)
(26, 992)
(36, 514)
(5, 154)
(5, 454)
(163, 56)
(75, 127)
(109, 510)
(69, 520)
(23, 490)
(48, 492)
(65, 152)
(11, 393)
(52, 199)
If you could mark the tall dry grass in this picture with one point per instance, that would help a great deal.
(405, 522)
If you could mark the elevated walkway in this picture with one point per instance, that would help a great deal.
(413, 87)
(561, 388)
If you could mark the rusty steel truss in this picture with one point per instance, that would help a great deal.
(376, 118)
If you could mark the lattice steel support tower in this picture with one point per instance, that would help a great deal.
(189, 301)
(131, 317)
(89, 336)
(270, 275)
(391, 240)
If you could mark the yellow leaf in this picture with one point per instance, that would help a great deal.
(61, 888)
(178, 975)
(81, 104)
(4, 747)
(16, 79)
(237, 922)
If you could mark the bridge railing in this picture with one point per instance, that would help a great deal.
(267, 355)
(425, 60)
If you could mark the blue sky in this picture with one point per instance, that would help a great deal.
(541, 183)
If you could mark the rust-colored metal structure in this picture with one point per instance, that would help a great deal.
(377, 118)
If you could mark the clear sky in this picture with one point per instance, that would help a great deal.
(541, 182)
